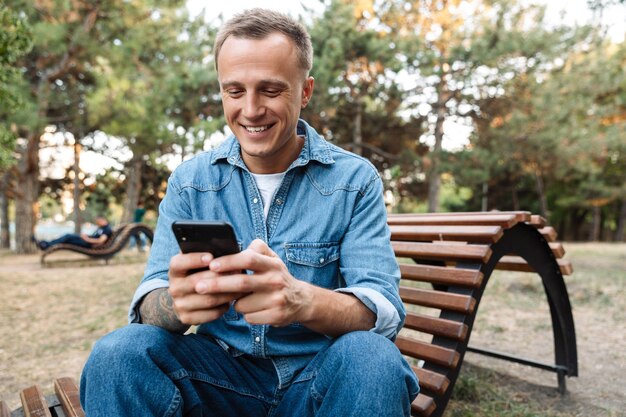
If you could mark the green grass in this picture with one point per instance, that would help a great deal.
(479, 393)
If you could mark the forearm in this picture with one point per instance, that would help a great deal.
(157, 309)
(93, 240)
(334, 314)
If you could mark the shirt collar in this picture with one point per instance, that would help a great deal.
(315, 148)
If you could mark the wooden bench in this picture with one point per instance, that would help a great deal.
(110, 248)
(454, 254)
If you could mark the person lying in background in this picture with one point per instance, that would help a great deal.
(97, 238)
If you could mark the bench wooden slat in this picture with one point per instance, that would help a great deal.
(438, 299)
(442, 275)
(423, 406)
(481, 234)
(557, 249)
(4, 410)
(67, 393)
(436, 326)
(432, 381)
(516, 263)
(538, 221)
(427, 352)
(442, 251)
(34, 403)
(505, 220)
(549, 233)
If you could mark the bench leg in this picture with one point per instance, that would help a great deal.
(560, 375)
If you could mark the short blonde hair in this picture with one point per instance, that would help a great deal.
(259, 24)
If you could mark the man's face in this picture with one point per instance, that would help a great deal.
(101, 221)
(263, 90)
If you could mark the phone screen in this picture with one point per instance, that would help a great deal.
(218, 238)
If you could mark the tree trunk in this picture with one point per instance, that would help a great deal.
(543, 202)
(5, 233)
(133, 189)
(434, 178)
(515, 199)
(78, 215)
(484, 204)
(26, 208)
(621, 223)
(357, 136)
(596, 224)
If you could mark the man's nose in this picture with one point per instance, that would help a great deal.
(253, 106)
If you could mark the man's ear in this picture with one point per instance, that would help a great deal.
(307, 91)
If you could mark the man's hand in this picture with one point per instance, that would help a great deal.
(191, 306)
(271, 295)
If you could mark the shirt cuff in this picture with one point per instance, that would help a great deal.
(387, 317)
(143, 289)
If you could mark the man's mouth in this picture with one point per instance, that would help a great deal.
(257, 129)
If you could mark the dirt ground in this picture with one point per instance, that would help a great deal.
(51, 316)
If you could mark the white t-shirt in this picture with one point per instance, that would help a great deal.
(267, 185)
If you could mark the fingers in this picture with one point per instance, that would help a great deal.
(201, 302)
(258, 257)
(262, 248)
(194, 317)
(181, 264)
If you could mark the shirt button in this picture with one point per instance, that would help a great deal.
(256, 200)
(257, 339)
(321, 260)
(279, 201)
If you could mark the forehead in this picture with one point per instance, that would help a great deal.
(242, 59)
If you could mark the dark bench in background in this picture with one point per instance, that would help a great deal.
(452, 255)
(114, 244)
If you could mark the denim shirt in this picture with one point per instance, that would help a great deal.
(327, 222)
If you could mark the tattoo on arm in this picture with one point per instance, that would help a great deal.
(157, 308)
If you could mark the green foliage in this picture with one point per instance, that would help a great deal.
(15, 41)
(7, 143)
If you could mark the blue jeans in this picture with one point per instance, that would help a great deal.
(142, 370)
(71, 238)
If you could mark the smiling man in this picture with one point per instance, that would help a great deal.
(307, 330)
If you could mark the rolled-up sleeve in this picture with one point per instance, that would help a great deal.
(368, 264)
(387, 317)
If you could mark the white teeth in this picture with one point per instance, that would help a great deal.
(256, 129)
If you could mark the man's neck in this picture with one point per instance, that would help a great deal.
(264, 165)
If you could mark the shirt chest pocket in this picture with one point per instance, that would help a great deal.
(314, 262)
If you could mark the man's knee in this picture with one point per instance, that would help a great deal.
(367, 351)
(371, 360)
(364, 345)
(127, 346)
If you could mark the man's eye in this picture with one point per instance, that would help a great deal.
(234, 93)
(271, 92)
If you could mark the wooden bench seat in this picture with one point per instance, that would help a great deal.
(446, 260)
(65, 402)
(114, 244)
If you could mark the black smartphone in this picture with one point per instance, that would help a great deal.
(218, 238)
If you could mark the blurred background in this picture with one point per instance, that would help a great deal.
(461, 105)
